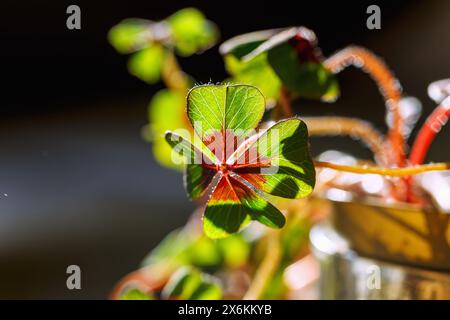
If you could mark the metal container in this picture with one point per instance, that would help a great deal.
(402, 234)
(345, 274)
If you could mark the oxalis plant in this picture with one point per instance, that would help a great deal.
(245, 153)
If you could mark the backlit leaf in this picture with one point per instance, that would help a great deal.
(166, 112)
(291, 173)
(130, 35)
(256, 72)
(197, 176)
(275, 161)
(225, 107)
(191, 31)
(233, 205)
(147, 63)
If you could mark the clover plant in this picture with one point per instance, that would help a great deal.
(245, 152)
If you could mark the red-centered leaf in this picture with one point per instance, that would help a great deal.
(280, 163)
(197, 178)
(231, 207)
(275, 161)
(200, 164)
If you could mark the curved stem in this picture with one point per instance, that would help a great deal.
(427, 133)
(266, 268)
(388, 85)
(393, 172)
(148, 279)
(343, 126)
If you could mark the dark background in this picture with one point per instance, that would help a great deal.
(78, 185)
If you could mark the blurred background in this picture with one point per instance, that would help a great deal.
(78, 185)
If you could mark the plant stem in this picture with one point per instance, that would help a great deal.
(427, 133)
(355, 128)
(393, 172)
(388, 85)
(266, 268)
(285, 103)
(172, 75)
(147, 279)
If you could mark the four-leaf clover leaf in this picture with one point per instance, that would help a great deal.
(236, 164)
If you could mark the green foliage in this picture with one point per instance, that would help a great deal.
(166, 112)
(128, 35)
(147, 63)
(229, 112)
(256, 72)
(190, 284)
(187, 31)
(191, 31)
(228, 107)
(185, 247)
(307, 79)
(293, 56)
(135, 294)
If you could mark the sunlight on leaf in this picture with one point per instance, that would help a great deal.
(191, 32)
(147, 63)
(256, 72)
(166, 112)
(225, 113)
(130, 35)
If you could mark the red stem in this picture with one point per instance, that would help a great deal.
(428, 132)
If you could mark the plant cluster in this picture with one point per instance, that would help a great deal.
(245, 153)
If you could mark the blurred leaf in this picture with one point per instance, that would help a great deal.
(235, 250)
(135, 294)
(147, 63)
(292, 54)
(171, 249)
(256, 72)
(183, 247)
(130, 35)
(191, 32)
(244, 44)
(190, 284)
(294, 237)
(307, 79)
(166, 112)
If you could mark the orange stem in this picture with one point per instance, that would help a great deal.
(355, 128)
(388, 85)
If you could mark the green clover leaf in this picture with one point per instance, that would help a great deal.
(238, 165)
